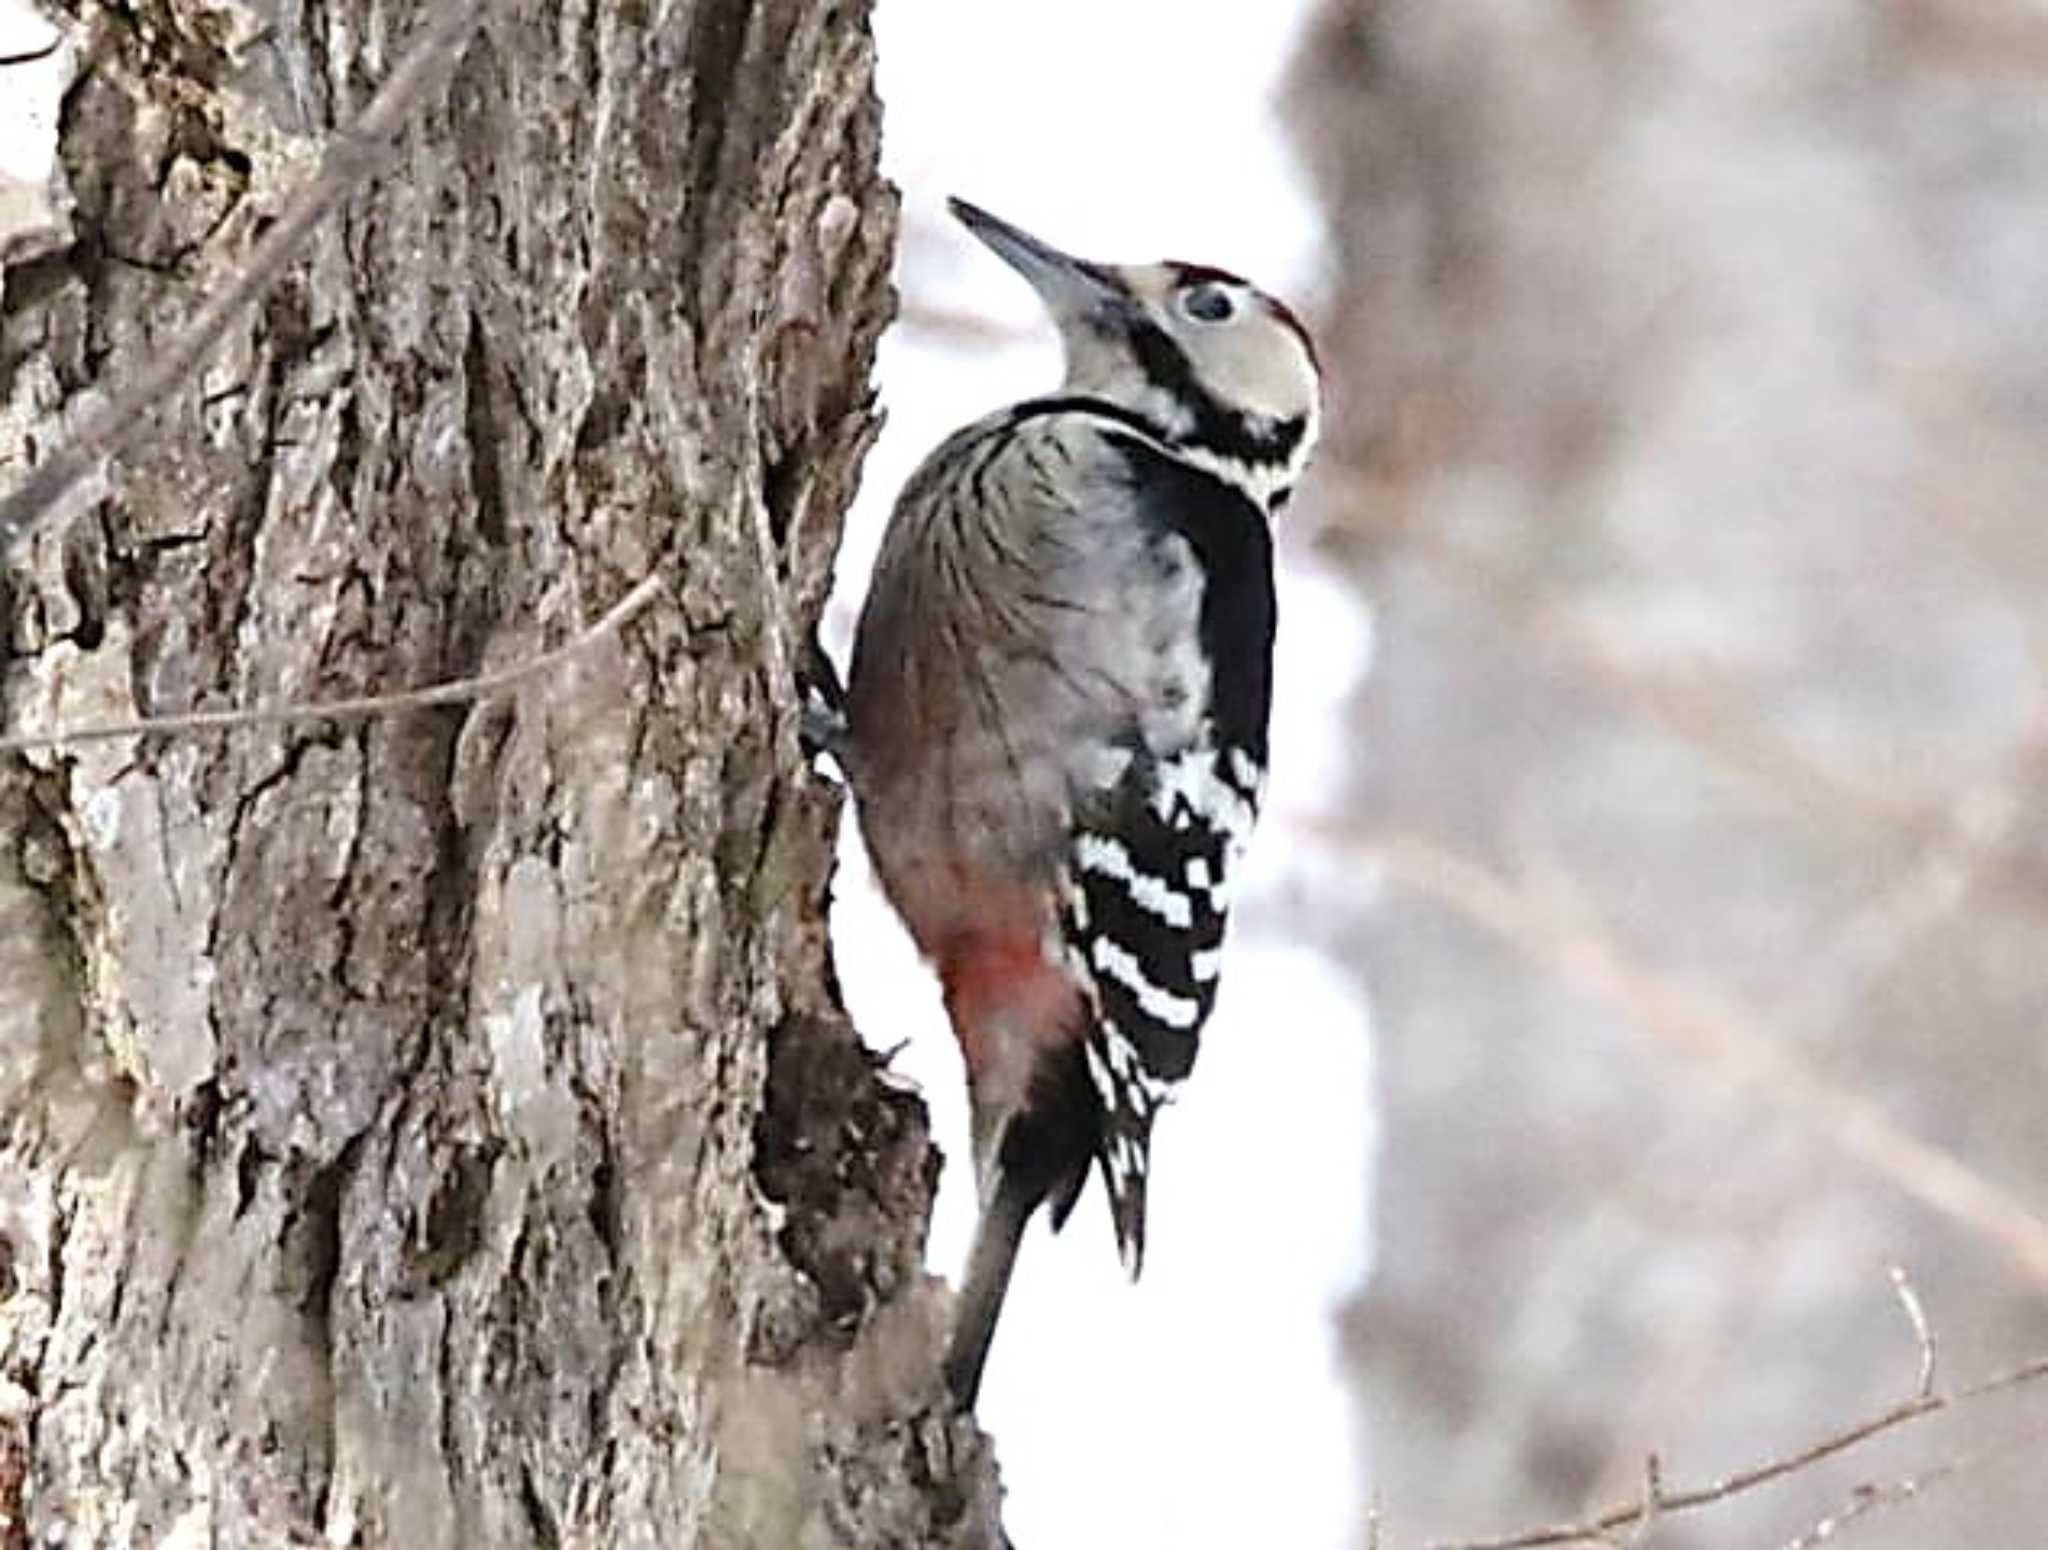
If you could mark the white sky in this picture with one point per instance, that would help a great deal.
(29, 104)
(1202, 1407)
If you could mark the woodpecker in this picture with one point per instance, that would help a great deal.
(1055, 721)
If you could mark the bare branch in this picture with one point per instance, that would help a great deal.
(1729, 1036)
(1690, 708)
(353, 154)
(1593, 1530)
(1653, 1498)
(1872, 1497)
(8, 61)
(1923, 1333)
(955, 326)
(359, 708)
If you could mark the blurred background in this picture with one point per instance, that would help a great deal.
(1646, 950)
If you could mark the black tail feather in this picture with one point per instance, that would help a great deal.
(1038, 1154)
(987, 1282)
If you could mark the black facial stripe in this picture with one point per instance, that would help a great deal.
(1230, 433)
(1249, 440)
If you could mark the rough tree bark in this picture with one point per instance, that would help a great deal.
(439, 1130)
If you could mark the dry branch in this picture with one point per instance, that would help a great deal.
(1664, 1502)
(1690, 709)
(1923, 1332)
(353, 154)
(1727, 1035)
(358, 707)
(1875, 1496)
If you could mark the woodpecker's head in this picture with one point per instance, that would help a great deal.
(1216, 368)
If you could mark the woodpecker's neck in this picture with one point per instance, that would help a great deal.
(1268, 480)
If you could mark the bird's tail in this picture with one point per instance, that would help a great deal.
(1022, 1159)
(1004, 1211)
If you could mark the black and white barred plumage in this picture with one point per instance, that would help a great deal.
(1145, 893)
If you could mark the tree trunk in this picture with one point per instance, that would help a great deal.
(439, 1129)
(1686, 435)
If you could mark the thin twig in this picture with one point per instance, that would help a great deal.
(353, 154)
(1653, 1498)
(1597, 1528)
(1923, 1332)
(1691, 709)
(9, 61)
(1874, 1496)
(1730, 1036)
(360, 707)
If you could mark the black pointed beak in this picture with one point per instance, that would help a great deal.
(1068, 285)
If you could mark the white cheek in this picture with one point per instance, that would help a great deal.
(1266, 375)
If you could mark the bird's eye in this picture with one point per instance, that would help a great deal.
(1208, 303)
